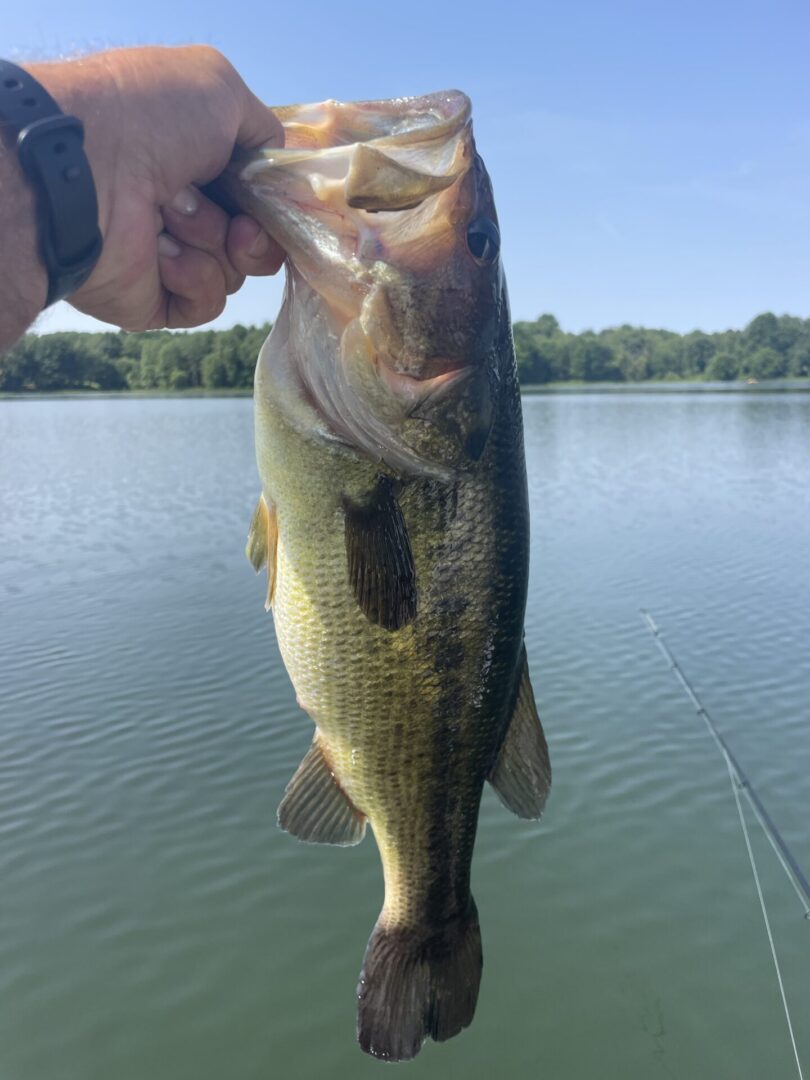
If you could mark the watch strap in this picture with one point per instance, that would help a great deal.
(50, 147)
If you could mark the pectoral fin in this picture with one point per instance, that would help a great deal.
(522, 773)
(379, 558)
(315, 807)
(262, 542)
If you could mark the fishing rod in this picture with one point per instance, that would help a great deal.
(789, 864)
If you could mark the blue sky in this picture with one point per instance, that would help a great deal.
(651, 161)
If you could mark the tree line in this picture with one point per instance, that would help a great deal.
(770, 346)
(156, 360)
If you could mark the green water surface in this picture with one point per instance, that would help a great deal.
(154, 922)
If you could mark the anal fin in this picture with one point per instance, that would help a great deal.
(522, 773)
(315, 807)
(262, 543)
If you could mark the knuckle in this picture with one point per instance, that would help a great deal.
(217, 307)
(235, 282)
(211, 57)
(217, 68)
(137, 325)
(212, 276)
(210, 298)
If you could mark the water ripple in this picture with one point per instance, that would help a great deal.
(155, 922)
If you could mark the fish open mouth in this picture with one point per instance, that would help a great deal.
(342, 159)
(366, 199)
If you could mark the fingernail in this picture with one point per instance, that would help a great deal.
(186, 201)
(167, 246)
(260, 245)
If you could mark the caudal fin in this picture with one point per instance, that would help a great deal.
(416, 983)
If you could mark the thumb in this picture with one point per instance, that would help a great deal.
(259, 125)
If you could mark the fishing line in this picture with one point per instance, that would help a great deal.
(735, 787)
(739, 782)
(794, 873)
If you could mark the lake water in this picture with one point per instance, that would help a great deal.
(155, 923)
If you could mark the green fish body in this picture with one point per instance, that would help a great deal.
(394, 526)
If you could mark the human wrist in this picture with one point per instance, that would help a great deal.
(23, 279)
(85, 88)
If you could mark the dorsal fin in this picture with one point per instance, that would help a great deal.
(522, 773)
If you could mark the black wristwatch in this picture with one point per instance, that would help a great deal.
(50, 148)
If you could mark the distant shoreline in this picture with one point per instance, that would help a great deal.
(649, 386)
(223, 392)
(673, 386)
(769, 350)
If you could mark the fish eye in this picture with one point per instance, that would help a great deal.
(483, 240)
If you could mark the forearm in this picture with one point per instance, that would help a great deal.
(23, 283)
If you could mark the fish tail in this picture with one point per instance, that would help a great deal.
(417, 982)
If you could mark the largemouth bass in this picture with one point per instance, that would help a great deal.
(393, 524)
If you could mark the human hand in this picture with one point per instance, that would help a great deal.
(158, 122)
